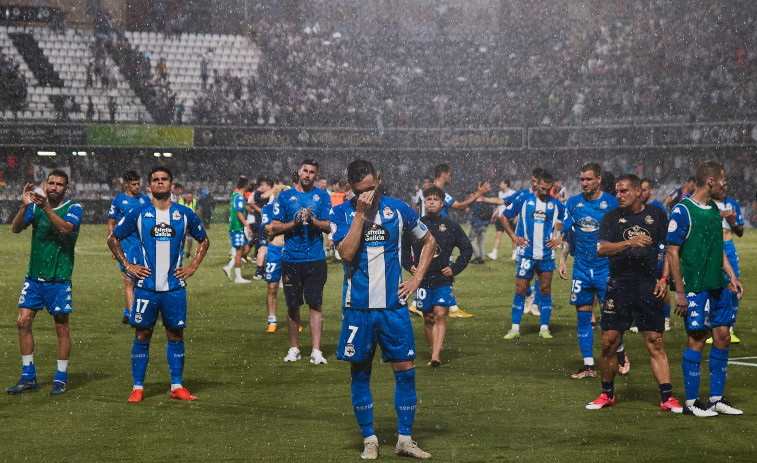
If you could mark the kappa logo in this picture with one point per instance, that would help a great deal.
(349, 350)
(622, 220)
(693, 304)
(694, 314)
(68, 298)
(580, 205)
(56, 309)
(125, 202)
(531, 203)
(292, 198)
(181, 323)
(411, 352)
(694, 323)
(68, 307)
(149, 215)
(68, 289)
(441, 299)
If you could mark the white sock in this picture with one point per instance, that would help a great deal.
(516, 327)
(690, 402)
(238, 272)
(138, 388)
(272, 319)
(715, 398)
(175, 386)
(62, 365)
(230, 264)
(371, 438)
(544, 328)
(402, 439)
(27, 359)
(589, 361)
(453, 308)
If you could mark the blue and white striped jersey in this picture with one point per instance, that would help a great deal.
(266, 214)
(731, 204)
(372, 279)
(304, 243)
(162, 235)
(581, 221)
(120, 207)
(537, 223)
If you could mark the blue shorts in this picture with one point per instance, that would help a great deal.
(709, 309)
(632, 301)
(427, 298)
(54, 296)
(273, 263)
(238, 239)
(527, 267)
(363, 329)
(172, 306)
(586, 284)
(733, 258)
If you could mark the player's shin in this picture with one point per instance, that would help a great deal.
(691, 366)
(175, 356)
(362, 401)
(545, 307)
(140, 356)
(585, 337)
(718, 371)
(405, 400)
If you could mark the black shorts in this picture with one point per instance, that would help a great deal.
(260, 237)
(303, 279)
(500, 228)
(628, 301)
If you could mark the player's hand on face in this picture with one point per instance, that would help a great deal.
(182, 273)
(137, 271)
(563, 270)
(365, 200)
(447, 271)
(682, 304)
(660, 289)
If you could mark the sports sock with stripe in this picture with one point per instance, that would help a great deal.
(519, 300)
(585, 336)
(175, 357)
(718, 371)
(691, 366)
(405, 400)
(362, 401)
(140, 356)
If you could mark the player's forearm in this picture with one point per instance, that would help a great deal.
(278, 227)
(115, 247)
(427, 253)
(202, 249)
(727, 269)
(322, 225)
(672, 255)
(18, 221)
(738, 230)
(349, 245)
(57, 222)
(111, 226)
(503, 219)
(242, 219)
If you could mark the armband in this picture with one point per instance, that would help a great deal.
(664, 277)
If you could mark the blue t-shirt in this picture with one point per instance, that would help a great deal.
(266, 215)
(731, 204)
(304, 243)
(581, 224)
(537, 222)
(448, 201)
(371, 280)
(162, 235)
(120, 207)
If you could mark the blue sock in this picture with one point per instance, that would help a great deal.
(405, 400)
(140, 355)
(585, 334)
(537, 296)
(362, 402)
(691, 365)
(545, 308)
(667, 310)
(126, 312)
(175, 356)
(60, 376)
(28, 371)
(519, 300)
(718, 371)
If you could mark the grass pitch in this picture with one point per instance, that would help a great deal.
(492, 400)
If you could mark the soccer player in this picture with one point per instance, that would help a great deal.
(442, 175)
(272, 260)
(647, 197)
(55, 223)
(162, 227)
(255, 202)
(301, 214)
(505, 194)
(122, 204)
(435, 294)
(238, 231)
(538, 234)
(630, 236)
(368, 231)
(697, 262)
(583, 213)
(733, 223)
(679, 194)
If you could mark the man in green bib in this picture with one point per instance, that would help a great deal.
(55, 226)
(697, 262)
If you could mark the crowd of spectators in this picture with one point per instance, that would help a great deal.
(666, 62)
(13, 85)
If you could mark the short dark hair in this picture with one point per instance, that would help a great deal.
(630, 178)
(433, 190)
(506, 181)
(592, 166)
(358, 170)
(242, 181)
(160, 169)
(536, 173)
(58, 173)
(178, 185)
(694, 179)
(131, 176)
(649, 181)
(546, 177)
(441, 169)
(295, 178)
(311, 162)
(706, 170)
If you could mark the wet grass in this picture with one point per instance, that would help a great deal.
(491, 400)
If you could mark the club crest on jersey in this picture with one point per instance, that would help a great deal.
(550, 206)
(21, 299)
(672, 226)
(162, 232)
(316, 197)
(635, 231)
(419, 304)
(388, 213)
(442, 228)
(349, 350)
(176, 215)
(603, 205)
(375, 234)
(649, 220)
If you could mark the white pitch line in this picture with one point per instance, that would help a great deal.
(731, 362)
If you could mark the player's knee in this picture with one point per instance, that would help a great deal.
(293, 312)
(24, 323)
(316, 307)
(699, 335)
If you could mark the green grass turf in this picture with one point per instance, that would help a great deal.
(492, 400)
